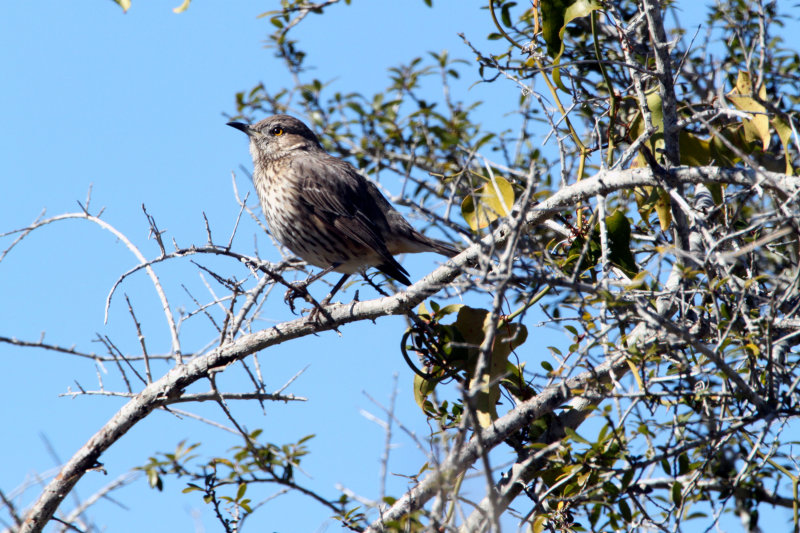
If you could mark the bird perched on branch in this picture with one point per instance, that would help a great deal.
(321, 208)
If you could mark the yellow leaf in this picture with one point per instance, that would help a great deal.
(753, 348)
(784, 133)
(664, 209)
(469, 323)
(654, 198)
(422, 388)
(741, 97)
(656, 141)
(488, 203)
(124, 4)
(183, 7)
(539, 523)
(635, 372)
(638, 281)
(485, 401)
(507, 337)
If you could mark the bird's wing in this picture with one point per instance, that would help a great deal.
(341, 196)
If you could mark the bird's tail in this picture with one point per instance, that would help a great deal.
(395, 271)
(441, 247)
(415, 242)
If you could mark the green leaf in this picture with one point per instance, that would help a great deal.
(695, 152)
(306, 438)
(154, 479)
(488, 203)
(627, 477)
(505, 13)
(619, 243)
(677, 488)
(422, 389)
(422, 311)
(448, 309)
(625, 511)
(590, 258)
(556, 14)
(683, 464)
(514, 382)
(571, 433)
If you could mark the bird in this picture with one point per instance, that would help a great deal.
(323, 210)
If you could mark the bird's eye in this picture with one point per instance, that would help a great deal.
(276, 130)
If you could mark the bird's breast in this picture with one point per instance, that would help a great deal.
(302, 230)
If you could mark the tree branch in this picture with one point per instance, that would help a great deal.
(170, 386)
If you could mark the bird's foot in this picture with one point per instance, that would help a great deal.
(319, 311)
(298, 290)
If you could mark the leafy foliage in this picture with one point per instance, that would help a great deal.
(669, 412)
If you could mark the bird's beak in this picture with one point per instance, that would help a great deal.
(241, 126)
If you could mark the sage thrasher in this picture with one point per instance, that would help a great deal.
(322, 209)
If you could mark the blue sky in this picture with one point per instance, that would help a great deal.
(134, 106)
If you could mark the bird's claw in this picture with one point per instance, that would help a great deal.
(295, 291)
(300, 290)
(319, 309)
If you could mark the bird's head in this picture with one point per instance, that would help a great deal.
(277, 136)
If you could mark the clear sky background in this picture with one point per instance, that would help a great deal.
(134, 105)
